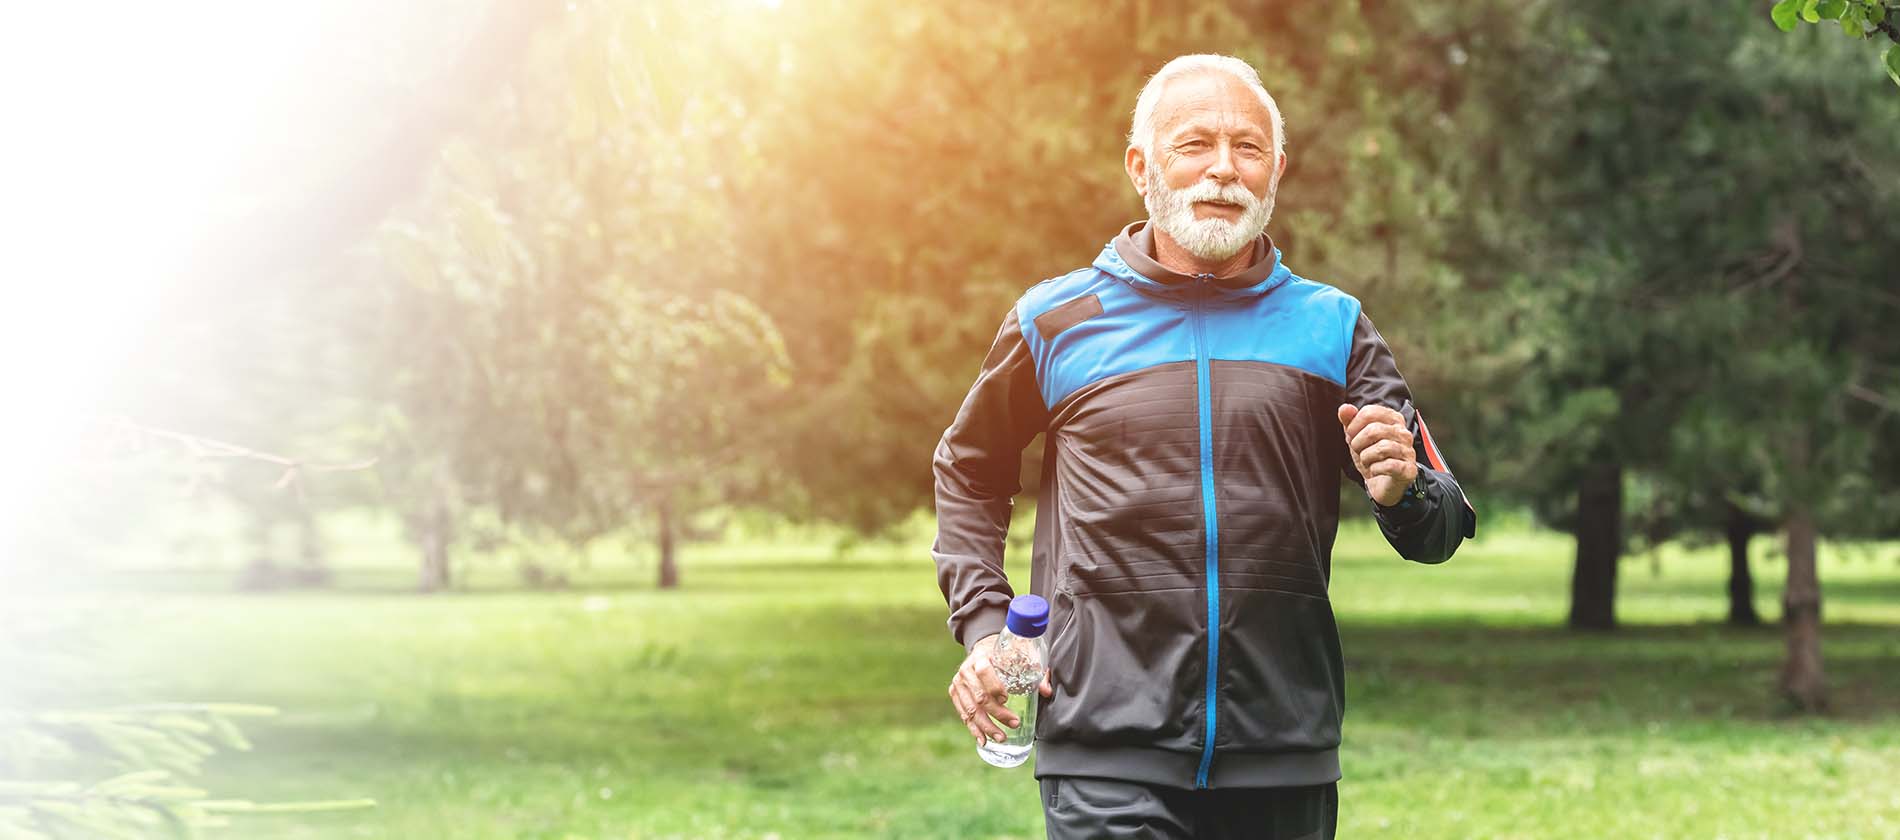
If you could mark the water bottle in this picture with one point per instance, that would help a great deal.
(1020, 658)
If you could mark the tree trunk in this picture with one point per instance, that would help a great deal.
(669, 567)
(1741, 582)
(1802, 682)
(434, 538)
(313, 570)
(1599, 533)
(261, 572)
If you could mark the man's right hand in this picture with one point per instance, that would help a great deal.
(978, 695)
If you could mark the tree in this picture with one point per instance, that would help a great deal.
(558, 337)
(1807, 393)
(1581, 368)
(1662, 195)
(1772, 264)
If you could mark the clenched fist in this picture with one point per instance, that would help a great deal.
(977, 692)
(1381, 449)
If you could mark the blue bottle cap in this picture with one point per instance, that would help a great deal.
(1028, 616)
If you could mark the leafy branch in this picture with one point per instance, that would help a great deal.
(170, 740)
(1857, 18)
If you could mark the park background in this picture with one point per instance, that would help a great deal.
(509, 419)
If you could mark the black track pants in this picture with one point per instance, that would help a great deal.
(1087, 808)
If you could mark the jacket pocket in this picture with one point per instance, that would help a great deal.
(1283, 684)
(1126, 666)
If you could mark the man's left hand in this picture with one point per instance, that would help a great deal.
(1381, 449)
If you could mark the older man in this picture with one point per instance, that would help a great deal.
(1201, 404)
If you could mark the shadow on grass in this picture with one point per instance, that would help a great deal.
(1881, 590)
(1637, 672)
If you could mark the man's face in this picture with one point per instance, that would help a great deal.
(1211, 181)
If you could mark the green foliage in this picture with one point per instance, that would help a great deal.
(1858, 19)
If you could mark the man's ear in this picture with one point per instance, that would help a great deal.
(1279, 168)
(1137, 165)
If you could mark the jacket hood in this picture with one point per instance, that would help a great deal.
(1129, 258)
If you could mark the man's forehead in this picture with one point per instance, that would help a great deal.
(1211, 100)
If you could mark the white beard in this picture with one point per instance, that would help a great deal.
(1172, 212)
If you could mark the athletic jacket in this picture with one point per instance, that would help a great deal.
(1184, 529)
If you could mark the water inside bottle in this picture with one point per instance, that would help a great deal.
(1014, 750)
(1019, 664)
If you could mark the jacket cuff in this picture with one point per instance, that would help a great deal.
(980, 625)
(1412, 508)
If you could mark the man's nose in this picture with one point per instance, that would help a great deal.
(1223, 169)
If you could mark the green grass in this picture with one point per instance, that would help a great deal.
(786, 691)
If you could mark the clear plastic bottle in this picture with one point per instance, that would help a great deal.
(1020, 658)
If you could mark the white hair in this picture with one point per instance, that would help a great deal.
(1141, 133)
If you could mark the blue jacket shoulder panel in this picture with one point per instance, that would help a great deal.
(1300, 324)
(1087, 326)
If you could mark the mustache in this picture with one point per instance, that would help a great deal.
(1232, 193)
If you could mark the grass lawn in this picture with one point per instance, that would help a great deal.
(786, 691)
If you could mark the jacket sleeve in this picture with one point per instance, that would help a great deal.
(978, 467)
(1428, 524)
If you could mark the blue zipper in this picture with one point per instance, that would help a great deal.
(1205, 402)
